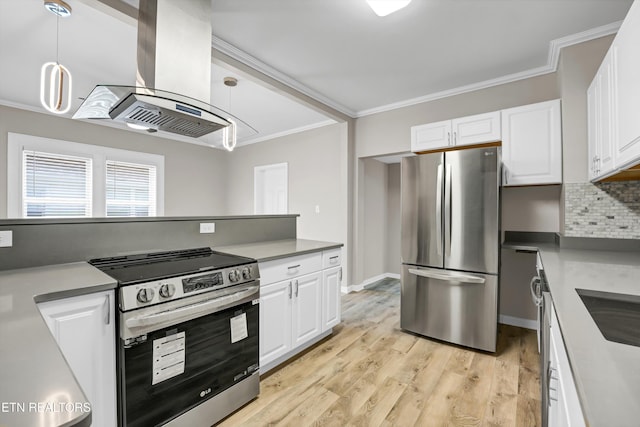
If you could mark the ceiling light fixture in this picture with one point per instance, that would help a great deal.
(386, 7)
(53, 74)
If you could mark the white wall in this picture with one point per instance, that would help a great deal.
(531, 208)
(374, 244)
(194, 175)
(314, 168)
(393, 219)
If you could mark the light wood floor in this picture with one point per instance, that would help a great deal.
(370, 373)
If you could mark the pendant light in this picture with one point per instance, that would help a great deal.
(229, 133)
(55, 77)
(386, 7)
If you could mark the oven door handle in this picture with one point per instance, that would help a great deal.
(191, 310)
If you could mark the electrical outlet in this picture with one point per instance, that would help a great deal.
(207, 227)
(6, 239)
(317, 209)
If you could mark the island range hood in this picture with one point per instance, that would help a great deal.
(173, 55)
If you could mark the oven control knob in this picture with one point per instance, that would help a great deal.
(145, 295)
(246, 273)
(167, 290)
(234, 275)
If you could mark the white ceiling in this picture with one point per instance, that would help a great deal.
(362, 62)
(337, 51)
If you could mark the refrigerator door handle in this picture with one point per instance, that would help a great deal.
(447, 206)
(448, 276)
(439, 210)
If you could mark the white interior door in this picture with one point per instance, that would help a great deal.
(271, 189)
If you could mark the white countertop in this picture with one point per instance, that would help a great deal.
(265, 251)
(607, 374)
(32, 368)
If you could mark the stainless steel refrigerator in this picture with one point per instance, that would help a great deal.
(450, 246)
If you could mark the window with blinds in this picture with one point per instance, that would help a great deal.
(56, 185)
(130, 189)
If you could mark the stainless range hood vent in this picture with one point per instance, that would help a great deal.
(174, 53)
(166, 115)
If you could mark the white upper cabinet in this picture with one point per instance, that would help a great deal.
(626, 68)
(601, 121)
(431, 136)
(477, 129)
(613, 101)
(532, 144)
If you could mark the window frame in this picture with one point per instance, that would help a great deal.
(17, 143)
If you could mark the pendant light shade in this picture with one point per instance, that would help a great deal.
(55, 79)
(386, 7)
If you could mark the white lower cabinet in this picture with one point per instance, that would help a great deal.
(306, 308)
(84, 328)
(564, 405)
(275, 320)
(302, 308)
(332, 279)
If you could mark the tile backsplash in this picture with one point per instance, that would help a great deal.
(608, 209)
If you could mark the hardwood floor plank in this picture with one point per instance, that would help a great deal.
(528, 412)
(414, 361)
(407, 409)
(460, 361)
(427, 378)
(501, 410)
(311, 409)
(373, 412)
(470, 407)
(437, 409)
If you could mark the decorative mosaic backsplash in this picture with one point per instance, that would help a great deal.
(608, 209)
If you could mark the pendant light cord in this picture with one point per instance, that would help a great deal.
(57, 39)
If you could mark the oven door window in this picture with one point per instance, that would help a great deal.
(215, 358)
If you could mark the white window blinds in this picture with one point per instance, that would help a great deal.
(130, 189)
(56, 185)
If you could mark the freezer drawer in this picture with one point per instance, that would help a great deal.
(457, 307)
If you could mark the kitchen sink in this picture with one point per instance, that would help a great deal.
(616, 315)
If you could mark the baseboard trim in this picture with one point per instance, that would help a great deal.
(518, 321)
(367, 282)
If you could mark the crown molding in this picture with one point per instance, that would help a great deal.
(555, 46)
(233, 52)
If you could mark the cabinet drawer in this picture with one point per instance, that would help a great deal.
(331, 258)
(286, 268)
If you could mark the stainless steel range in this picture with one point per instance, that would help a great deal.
(188, 346)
